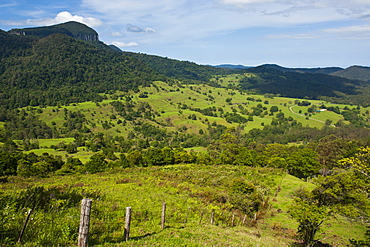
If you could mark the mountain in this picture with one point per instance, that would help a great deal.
(54, 65)
(354, 73)
(72, 29)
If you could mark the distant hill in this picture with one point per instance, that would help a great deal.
(297, 84)
(232, 66)
(72, 29)
(355, 73)
(326, 70)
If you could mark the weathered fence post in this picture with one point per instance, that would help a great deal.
(126, 233)
(244, 218)
(24, 225)
(83, 233)
(201, 217)
(163, 217)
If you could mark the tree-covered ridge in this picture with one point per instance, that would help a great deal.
(181, 70)
(72, 28)
(59, 69)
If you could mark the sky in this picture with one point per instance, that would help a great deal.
(290, 33)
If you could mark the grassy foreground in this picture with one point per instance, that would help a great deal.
(191, 192)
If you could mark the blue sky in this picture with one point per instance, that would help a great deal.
(291, 33)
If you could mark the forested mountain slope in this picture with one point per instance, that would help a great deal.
(59, 69)
(182, 70)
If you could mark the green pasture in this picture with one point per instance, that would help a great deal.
(167, 100)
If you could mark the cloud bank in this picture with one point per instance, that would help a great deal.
(61, 17)
(122, 44)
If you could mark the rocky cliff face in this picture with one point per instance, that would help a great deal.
(72, 28)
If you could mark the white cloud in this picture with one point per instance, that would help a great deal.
(122, 44)
(66, 16)
(7, 5)
(136, 29)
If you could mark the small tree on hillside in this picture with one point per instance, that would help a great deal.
(343, 193)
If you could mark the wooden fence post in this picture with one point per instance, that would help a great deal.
(163, 217)
(233, 219)
(201, 217)
(24, 225)
(126, 233)
(83, 233)
(244, 218)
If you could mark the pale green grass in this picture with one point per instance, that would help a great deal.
(49, 142)
(82, 154)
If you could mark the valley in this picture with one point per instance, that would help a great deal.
(278, 156)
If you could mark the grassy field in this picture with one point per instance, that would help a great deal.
(190, 192)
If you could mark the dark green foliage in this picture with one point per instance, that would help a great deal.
(303, 163)
(235, 118)
(32, 165)
(159, 157)
(8, 163)
(97, 163)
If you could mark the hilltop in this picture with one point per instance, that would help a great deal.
(73, 29)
